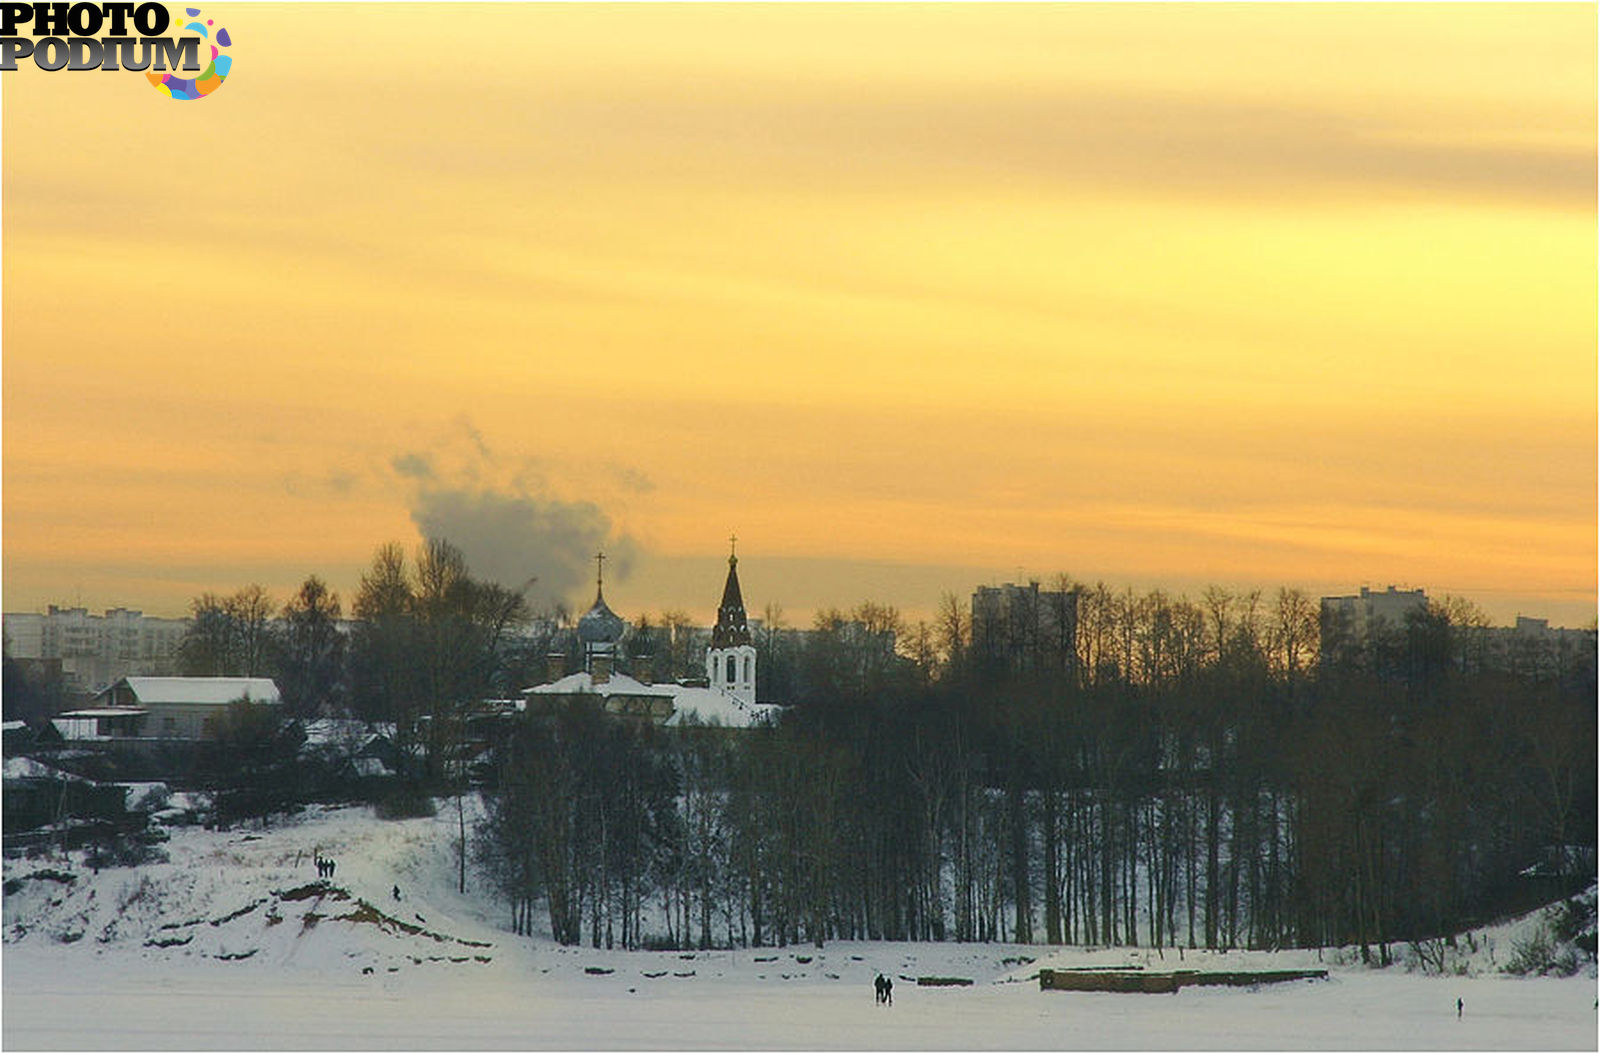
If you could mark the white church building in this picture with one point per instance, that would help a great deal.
(727, 699)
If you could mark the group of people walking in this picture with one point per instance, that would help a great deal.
(885, 989)
(325, 868)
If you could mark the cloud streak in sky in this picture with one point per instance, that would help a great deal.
(1197, 146)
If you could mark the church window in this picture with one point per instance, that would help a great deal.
(749, 674)
(732, 670)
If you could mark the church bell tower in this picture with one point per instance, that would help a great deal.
(731, 659)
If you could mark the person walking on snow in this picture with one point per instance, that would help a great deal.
(1460, 1006)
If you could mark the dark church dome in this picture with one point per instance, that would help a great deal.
(600, 625)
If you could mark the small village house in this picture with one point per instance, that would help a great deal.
(181, 708)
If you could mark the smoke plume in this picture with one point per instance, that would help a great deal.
(511, 529)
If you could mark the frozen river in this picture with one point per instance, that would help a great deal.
(78, 1001)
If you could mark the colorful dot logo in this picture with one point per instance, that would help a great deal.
(214, 74)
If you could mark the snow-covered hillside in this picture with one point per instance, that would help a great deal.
(237, 943)
(255, 895)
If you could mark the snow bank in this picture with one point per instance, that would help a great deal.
(237, 944)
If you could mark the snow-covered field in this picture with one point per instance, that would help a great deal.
(235, 945)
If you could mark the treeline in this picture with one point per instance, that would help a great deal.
(1169, 773)
(1131, 769)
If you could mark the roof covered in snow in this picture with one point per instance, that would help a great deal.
(368, 767)
(212, 691)
(619, 684)
(336, 732)
(29, 769)
(707, 706)
(712, 706)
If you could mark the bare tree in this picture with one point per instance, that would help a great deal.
(311, 650)
(251, 609)
(229, 636)
(1293, 634)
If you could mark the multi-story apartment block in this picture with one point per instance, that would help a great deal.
(1359, 628)
(1025, 627)
(1367, 611)
(1350, 623)
(95, 650)
(1535, 650)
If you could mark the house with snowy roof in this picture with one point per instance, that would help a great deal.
(351, 748)
(727, 698)
(184, 708)
(15, 736)
(35, 794)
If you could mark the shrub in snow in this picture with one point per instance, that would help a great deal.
(1431, 956)
(405, 801)
(656, 943)
(124, 851)
(1573, 921)
(1561, 942)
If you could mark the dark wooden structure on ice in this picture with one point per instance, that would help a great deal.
(1103, 980)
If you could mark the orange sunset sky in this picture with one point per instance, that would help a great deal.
(911, 298)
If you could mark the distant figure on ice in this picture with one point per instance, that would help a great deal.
(1460, 1006)
(877, 988)
(331, 866)
(397, 892)
(888, 990)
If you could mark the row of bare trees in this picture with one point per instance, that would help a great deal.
(1192, 774)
